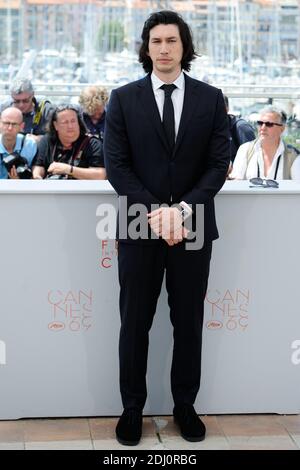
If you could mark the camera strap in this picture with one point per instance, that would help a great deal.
(38, 113)
(22, 143)
(76, 154)
(276, 169)
(80, 150)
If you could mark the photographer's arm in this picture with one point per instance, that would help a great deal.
(91, 173)
(13, 175)
(38, 172)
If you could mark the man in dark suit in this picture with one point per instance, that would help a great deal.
(164, 145)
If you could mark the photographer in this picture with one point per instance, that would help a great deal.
(35, 112)
(67, 151)
(17, 151)
(93, 101)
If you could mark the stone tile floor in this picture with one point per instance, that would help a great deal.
(241, 432)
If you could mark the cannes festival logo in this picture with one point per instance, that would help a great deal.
(2, 353)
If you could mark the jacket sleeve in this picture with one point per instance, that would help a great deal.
(217, 162)
(117, 156)
(244, 131)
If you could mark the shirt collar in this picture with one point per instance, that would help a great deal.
(157, 82)
(17, 147)
(279, 151)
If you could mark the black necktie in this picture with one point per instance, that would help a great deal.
(168, 114)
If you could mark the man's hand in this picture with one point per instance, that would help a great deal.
(13, 175)
(178, 236)
(230, 168)
(166, 222)
(57, 168)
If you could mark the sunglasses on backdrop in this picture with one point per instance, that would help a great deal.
(263, 183)
(268, 123)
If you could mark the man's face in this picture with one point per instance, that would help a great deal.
(11, 123)
(165, 49)
(270, 133)
(97, 113)
(67, 126)
(23, 101)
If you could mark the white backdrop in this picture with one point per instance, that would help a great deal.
(59, 319)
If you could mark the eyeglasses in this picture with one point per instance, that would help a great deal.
(72, 122)
(25, 100)
(12, 124)
(263, 183)
(268, 123)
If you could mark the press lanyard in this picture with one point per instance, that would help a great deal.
(276, 169)
(57, 158)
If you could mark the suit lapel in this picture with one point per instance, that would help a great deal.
(189, 105)
(150, 107)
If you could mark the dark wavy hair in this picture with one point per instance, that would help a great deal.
(63, 107)
(167, 17)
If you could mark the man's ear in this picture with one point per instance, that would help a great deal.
(22, 126)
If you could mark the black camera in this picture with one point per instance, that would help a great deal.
(20, 163)
(56, 177)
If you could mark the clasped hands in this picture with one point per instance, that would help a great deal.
(166, 222)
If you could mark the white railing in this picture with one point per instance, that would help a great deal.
(233, 90)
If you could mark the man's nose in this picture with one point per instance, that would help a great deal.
(164, 48)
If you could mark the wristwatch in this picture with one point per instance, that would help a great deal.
(184, 213)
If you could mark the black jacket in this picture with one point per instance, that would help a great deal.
(136, 153)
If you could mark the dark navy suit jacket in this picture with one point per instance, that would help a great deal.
(139, 163)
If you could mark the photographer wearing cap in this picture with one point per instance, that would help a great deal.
(17, 151)
(67, 151)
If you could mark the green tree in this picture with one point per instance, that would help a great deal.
(111, 36)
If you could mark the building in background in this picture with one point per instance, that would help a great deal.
(83, 40)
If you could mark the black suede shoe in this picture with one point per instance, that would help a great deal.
(191, 427)
(129, 427)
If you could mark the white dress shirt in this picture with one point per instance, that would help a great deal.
(177, 97)
(177, 100)
(244, 169)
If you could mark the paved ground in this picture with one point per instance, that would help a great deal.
(264, 432)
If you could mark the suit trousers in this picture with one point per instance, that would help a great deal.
(141, 273)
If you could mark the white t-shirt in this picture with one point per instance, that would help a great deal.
(244, 169)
